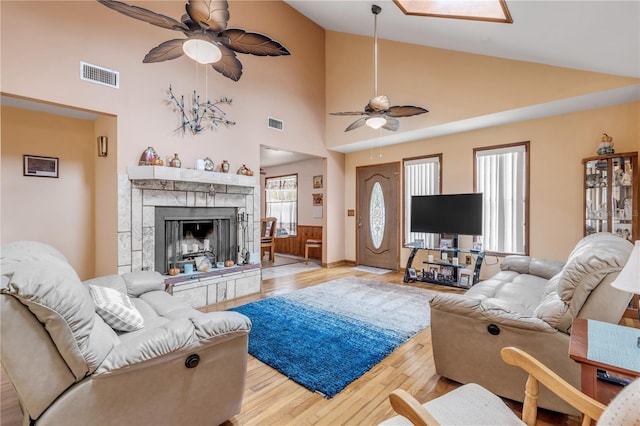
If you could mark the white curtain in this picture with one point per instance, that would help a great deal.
(282, 202)
(501, 178)
(421, 177)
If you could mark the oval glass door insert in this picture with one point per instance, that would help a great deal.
(377, 215)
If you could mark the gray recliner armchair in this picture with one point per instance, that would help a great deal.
(529, 304)
(176, 365)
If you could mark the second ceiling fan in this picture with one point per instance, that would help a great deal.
(379, 113)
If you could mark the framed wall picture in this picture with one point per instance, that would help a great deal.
(35, 165)
(465, 279)
(317, 182)
(317, 199)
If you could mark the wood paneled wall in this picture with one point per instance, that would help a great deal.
(294, 244)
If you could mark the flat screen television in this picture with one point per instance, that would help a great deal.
(447, 214)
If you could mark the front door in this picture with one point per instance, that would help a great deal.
(378, 225)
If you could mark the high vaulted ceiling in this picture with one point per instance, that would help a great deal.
(600, 36)
(596, 36)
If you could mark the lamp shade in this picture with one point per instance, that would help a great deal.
(629, 277)
(376, 122)
(202, 51)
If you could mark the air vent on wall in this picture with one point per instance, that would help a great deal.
(99, 75)
(274, 123)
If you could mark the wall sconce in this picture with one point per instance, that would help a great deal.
(103, 146)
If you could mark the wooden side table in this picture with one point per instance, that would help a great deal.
(579, 351)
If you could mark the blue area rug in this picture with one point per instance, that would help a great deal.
(326, 336)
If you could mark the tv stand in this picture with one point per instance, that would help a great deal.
(441, 270)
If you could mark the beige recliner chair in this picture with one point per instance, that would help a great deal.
(176, 365)
(529, 304)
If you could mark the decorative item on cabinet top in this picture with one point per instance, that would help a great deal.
(606, 145)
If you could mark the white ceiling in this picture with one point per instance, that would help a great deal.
(274, 156)
(600, 36)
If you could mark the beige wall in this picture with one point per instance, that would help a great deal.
(290, 88)
(55, 211)
(105, 198)
(558, 145)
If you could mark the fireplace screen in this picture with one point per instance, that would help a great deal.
(194, 235)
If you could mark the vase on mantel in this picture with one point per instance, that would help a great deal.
(224, 166)
(175, 161)
(148, 157)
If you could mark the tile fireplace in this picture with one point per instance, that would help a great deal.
(169, 216)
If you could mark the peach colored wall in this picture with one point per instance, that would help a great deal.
(105, 197)
(58, 211)
(305, 170)
(558, 145)
(451, 85)
(289, 88)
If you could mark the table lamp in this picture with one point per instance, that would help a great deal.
(629, 278)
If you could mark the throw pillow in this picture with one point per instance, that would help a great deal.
(116, 309)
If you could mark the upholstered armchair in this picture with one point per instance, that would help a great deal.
(529, 304)
(114, 350)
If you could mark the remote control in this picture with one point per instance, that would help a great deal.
(606, 377)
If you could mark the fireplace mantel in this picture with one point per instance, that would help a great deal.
(175, 174)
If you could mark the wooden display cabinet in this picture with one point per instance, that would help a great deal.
(611, 195)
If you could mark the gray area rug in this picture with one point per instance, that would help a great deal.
(371, 269)
(395, 306)
(282, 271)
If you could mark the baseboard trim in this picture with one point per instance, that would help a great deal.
(342, 262)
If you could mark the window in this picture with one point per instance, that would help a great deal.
(421, 177)
(502, 175)
(282, 202)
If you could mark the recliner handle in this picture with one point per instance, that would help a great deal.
(192, 361)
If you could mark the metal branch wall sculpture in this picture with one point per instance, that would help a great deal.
(200, 116)
(208, 38)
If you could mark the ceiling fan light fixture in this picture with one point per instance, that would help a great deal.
(201, 51)
(376, 122)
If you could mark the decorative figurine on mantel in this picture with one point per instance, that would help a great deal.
(606, 145)
(208, 164)
(244, 170)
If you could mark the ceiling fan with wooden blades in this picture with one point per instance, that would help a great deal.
(379, 113)
(208, 41)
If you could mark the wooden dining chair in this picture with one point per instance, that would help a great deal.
(473, 404)
(268, 237)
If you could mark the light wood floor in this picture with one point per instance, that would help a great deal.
(272, 399)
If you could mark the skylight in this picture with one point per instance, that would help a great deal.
(478, 10)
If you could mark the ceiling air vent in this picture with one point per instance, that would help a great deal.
(99, 75)
(274, 123)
